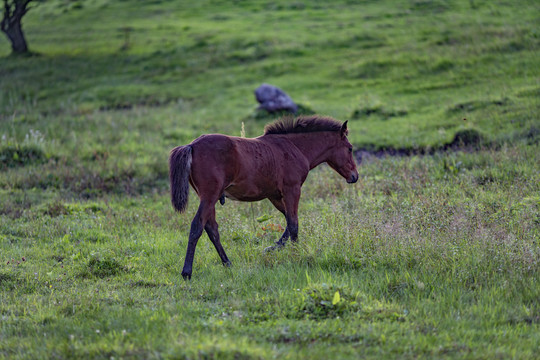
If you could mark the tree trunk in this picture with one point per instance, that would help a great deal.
(11, 24)
(16, 36)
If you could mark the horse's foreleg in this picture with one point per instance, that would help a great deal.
(278, 203)
(284, 237)
(211, 228)
(292, 227)
(291, 200)
(288, 206)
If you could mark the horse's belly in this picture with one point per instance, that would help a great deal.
(239, 194)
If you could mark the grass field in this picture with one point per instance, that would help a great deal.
(425, 257)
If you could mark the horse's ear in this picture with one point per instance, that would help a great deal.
(344, 130)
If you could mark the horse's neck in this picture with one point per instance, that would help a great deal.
(315, 146)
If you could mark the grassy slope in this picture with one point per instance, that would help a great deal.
(432, 257)
(423, 65)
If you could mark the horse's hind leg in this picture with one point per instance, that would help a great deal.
(204, 219)
(211, 228)
(194, 235)
(204, 213)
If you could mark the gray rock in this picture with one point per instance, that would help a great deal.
(273, 99)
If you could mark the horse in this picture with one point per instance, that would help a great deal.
(272, 166)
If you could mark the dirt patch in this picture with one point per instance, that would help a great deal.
(464, 140)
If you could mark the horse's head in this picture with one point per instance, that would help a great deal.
(341, 159)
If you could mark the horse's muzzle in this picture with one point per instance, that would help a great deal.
(353, 178)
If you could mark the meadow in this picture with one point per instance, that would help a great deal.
(433, 255)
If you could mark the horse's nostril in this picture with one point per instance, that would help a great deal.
(352, 179)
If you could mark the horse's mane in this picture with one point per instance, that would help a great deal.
(302, 124)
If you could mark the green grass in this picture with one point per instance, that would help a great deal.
(424, 65)
(425, 257)
(430, 258)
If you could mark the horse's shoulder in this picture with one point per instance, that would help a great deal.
(284, 148)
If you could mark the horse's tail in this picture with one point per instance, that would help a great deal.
(179, 170)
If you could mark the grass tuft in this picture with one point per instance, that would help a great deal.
(103, 266)
(377, 110)
(467, 138)
(22, 155)
(475, 105)
(326, 301)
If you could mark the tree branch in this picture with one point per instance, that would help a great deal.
(13, 12)
(25, 6)
(20, 8)
(5, 19)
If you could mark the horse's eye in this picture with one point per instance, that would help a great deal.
(350, 149)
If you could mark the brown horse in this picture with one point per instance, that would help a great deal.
(272, 166)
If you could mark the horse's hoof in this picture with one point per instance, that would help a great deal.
(278, 246)
(186, 276)
(227, 264)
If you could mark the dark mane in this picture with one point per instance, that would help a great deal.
(302, 124)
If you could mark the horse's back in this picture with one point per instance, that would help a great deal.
(244, 169)
(231, 151)
(212, 143)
